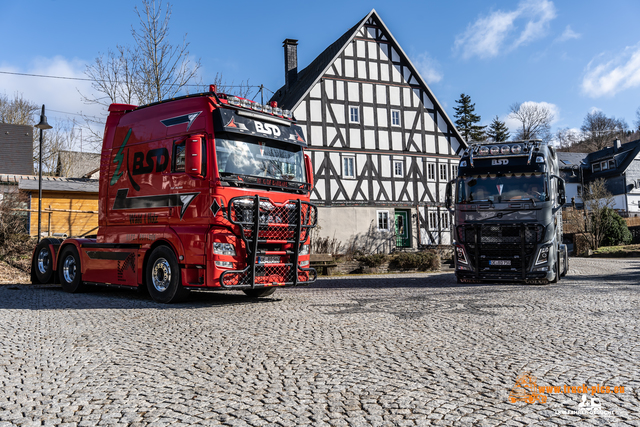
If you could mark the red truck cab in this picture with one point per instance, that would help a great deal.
(205, 191)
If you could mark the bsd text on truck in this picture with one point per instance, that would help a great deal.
(508, 213)
(205, 191)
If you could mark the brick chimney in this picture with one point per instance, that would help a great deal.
(290, 62)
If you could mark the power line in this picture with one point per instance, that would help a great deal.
(91, 80)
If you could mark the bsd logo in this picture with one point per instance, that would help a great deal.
(498, 162)
(267, 128)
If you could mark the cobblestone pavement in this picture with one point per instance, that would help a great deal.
(369, 350)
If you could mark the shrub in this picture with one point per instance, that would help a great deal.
(374, 260)
(428, 260)
(615, 230)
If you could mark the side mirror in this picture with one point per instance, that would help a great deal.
(309, 168)
(193, 155)
(448, 198)
(562, 195)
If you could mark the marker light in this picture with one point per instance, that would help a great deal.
(277, 111)
(256, 106)
(516, 149)
(286, 114)
(245, 103)
(267, 109)
(233, 101)
(494, 150)
(505, 149)
(539, 159)
(483, 151)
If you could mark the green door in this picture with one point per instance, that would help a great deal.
(403, 239)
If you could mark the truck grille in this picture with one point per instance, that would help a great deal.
(263, 227)
(500, 244)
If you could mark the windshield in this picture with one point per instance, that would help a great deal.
(261, 158)
(502, 188)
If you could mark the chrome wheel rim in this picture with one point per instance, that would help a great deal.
(69, 268)
(161, 275)
(43, 260)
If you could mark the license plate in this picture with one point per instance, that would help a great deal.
(268, 260)
(500, 262)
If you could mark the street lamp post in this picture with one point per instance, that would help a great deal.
(43, 125)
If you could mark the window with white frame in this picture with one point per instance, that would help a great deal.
(454, 171)
(445, 220)
(383, 220)
(433, 221)
(612, 164)
(395, 117)
(595, 167)
(354, 114)
(604, 166)
(443, 172)
(398, 168)
(431, 171)
(348, 167)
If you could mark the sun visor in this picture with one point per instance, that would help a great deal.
(257, 124)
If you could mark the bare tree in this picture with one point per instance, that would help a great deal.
(637, 122)
(61, 137)
(596, 198)
(568, 140)
(17, 111)
(535, 120)
(152, 70)
(599, 130)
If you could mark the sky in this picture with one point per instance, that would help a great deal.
(574, 56)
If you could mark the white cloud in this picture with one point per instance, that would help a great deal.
(489, 36)
(428, 68)
(607, 77)
(56, 94)
(568, 34)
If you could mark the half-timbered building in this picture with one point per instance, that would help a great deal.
(382, 146)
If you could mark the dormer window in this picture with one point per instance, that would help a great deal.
(595, 167)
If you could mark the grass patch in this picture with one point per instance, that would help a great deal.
(618, 251)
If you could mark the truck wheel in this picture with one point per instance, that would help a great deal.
(260, 292)
(163, 277)
(556, 270)
(69, 271)
(43, 263)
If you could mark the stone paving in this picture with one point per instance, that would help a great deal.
(366, 350)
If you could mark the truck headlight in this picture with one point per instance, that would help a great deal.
(223, 249)
(543, 255)
(304, 250)
(462, 257)
(224, 264)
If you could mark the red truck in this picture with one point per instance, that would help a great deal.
(206, 191)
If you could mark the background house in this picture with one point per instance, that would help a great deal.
(69, 206)
(76, 164)
(16, 149)
(381, 145)
(618, 165)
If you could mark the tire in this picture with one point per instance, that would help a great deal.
(566, 264)
(43, 263)
(260, 292)
(163, 278)
(69, 270)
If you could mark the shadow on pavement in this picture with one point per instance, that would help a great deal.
(52, 297)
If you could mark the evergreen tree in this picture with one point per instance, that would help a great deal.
(498, 130)
(466, 120)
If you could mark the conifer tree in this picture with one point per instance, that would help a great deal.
(466, 120)
(498, 130)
